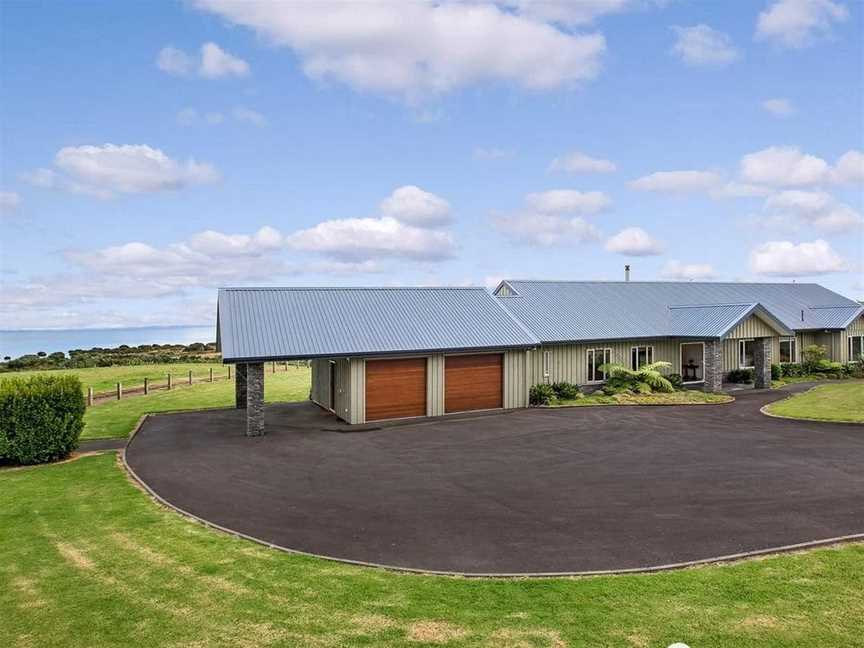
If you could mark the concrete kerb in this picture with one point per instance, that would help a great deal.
(764, 408)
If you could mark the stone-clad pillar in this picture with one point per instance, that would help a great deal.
(240, 386)
(255, 399)
(713, 370)
(762, 363)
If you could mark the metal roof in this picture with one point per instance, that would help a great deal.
(717, 320)
(562, 311)
(295, 323)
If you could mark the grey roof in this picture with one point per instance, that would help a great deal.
(562, 311)
(716, 320)
(295, 323)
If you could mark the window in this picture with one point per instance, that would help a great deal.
(596, 359)
(641, 355)
(692, 361)
(745, 354)
(787, 350)
(856, 347)
(545, 364)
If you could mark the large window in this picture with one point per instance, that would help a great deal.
(641, 355)
(787, 350)
(596, 359)
(692, 362)
(745, 354)
(856, 347)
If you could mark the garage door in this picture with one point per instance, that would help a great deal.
(473, 382)
(395, 388)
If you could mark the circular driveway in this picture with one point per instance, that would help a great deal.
(529, 491)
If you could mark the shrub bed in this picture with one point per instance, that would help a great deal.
(41, 418)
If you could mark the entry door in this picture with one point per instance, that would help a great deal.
(395, 388)
(332, 385)
(473, 382)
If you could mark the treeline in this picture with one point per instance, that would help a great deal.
(117, 356)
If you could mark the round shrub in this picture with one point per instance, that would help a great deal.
(566, 390)
(776, 372)
(676, 381)
(541, 394)
(41, 418)
(740, 376)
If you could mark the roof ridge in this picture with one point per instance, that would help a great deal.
(303, 288)
(711, 305)
(661, 281)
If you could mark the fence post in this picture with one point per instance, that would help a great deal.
(89, 397)
(273, 367)
(169, 380)
(211, 374)
(146, 386)
(229, 371)
(190, 376)
(119, 391)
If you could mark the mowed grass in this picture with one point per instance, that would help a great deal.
(118, 418)
(90, 560)
(689, 397)
(836, 402)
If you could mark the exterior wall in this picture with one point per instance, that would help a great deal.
(435, 385)
(350, 382)
(855, 328)
(320, 391)
(516, 379)
(752, 327)
(356, 390)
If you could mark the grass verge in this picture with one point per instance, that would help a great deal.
(89, 560)
(689, 397)
(117, 418)
(836, 402)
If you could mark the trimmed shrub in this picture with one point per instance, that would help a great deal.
(566, 391)
(791, 369)
(740, 376)
(542, 394)
(776, 372)
(41, 418)
(814, 356)
(676, 380)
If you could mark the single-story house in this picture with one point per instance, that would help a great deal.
(386, 353)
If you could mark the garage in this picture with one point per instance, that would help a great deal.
(473, 382)
(395, 388)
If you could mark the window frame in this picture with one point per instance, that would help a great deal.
(681, 363)
(742, 352)
(850, 338)
(547, 363)
(649, 355)
(793, 351)
(591, 355)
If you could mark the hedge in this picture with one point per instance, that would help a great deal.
(41, 418)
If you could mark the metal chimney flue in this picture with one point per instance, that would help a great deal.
(626, 273)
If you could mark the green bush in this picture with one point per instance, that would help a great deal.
(814, 356)
(541, 394)
(566, 391)
(41, 418)
(791, 369)
(776, 372)
(740, 376)
(676, 380)
(854, 369)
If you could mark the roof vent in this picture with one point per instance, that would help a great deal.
(627, 273)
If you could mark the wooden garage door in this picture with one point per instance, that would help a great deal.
(395, 388)
(473, 382)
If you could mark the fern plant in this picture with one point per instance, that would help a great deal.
(644, 380)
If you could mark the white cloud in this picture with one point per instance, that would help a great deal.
(734, 189)
(817, 208)
(849, 168)
(783, 166)
(799, 23)
(211, 63)
(482, 153)
(106, 170)
(576, 162)
(545, 230)
(415, 49)
(634, 241)
(568, 201)
(414, 206)
(787, 259)
(243, 114)
(700, 45)
(569, 12)
(778, 107)
(9, 202)
(191, 116)
(687, 271)
(677, 181)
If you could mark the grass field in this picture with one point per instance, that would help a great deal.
(118, 418)
(90, 560)
(835, 402)
(689, 397)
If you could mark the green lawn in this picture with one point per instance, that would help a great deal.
(118, 418)
(90, 560)
(689, 397)
(835, 402)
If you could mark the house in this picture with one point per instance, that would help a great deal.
(385, 353)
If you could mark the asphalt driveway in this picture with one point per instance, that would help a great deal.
(530, 491)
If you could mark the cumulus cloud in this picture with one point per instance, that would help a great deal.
(783, 166)
(415, 49)
(700, 45)
(568, 201)
(107, 170)
(787, 259)
(414, 206)
(492, 153)
(778, 107)
(544, 229)
(799, 23)
(567, 12)
(678, 271)
(849, 168)
(9, 202)
(576, 162)
(677, 181)
(816, 208)
(634, 241)
(211, 63)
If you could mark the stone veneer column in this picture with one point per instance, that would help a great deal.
(240, 386)
(713, 369)
(255, 399)
(762, 363)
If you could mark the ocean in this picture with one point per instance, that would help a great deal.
(18, 343)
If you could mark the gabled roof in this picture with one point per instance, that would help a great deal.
(562, 311)
(717, 320)
(296, 323)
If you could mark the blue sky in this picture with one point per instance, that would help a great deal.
(153, 152)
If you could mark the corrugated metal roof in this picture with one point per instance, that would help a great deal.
(284, 323)
(710, 321)
(559, 311)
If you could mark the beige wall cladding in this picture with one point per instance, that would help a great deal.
(855, 328)
(320, 392)
(516, 379)
(752, 327)
(435, 385)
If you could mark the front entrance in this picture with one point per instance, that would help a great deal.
(395, 388)
(473, 382)
(693, 362)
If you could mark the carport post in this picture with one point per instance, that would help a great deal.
(255, 399)
(712, 372)
(240, 387)
(762, 363)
